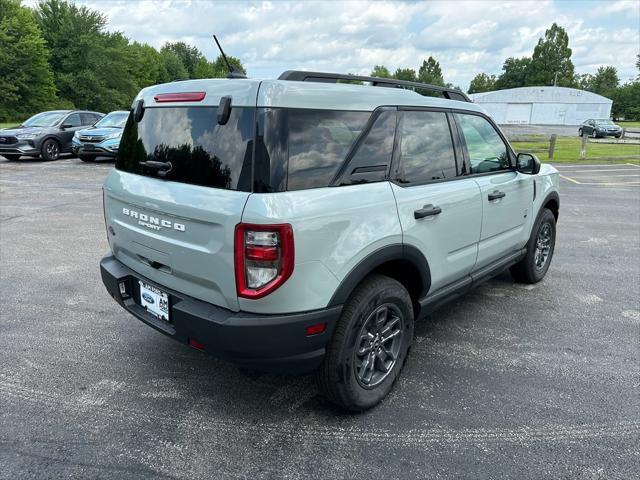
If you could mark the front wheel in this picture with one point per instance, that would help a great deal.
(369, 345)
(594, 134)
(579, 132)
(50, 150)
(533, 267)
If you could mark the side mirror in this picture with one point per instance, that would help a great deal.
(65, 126)
(527, 163)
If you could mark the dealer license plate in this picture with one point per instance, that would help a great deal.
(155, 301)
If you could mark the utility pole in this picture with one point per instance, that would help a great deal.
(555, 79)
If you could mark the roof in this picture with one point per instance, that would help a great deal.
(541, 94)
(294, 94)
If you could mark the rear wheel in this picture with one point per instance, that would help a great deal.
(533, 267)
(50, 150)
(10, 157)
(369, 345)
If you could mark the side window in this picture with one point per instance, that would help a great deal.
(371, 162)
(425, 149)
(487, 151)
(87, 119)
(318, 144)
(73, 120)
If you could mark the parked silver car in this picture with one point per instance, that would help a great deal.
(45, 135)
(297, 224)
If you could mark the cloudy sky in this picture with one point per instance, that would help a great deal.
(467, 37)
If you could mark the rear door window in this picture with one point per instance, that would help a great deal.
(426, 151)
(487, 151)
(186, 144)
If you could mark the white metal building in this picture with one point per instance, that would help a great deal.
(543, 105)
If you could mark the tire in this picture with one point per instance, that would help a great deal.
(532, 268)
(50, 150)
(344, 377)
(87, 158)
(10, 157)
(594, 134)
(579, 132)
(618, 136)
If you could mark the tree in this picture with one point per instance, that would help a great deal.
(551, 60)
(381, 71)
(188, 55)
(174, 66)
(626, 101)
(430, 72)
(482, 83)
(148, 66)
(221, 70)
(26, 80)
(604, 82)
(408, 74)
(92, 68)
(514, 73)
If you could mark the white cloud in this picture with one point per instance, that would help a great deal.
(467, 37)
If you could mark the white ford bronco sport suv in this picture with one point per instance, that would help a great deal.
(305, 223)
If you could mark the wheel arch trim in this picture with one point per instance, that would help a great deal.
(378, 258)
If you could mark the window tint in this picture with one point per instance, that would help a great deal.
(73, 120)
(318, 143)
(195, 148)
(270, 165)
(371, 161)
(87, 118)
(487, 151)
(426, 148)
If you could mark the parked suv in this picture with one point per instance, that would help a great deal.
(102, 139)
(46, 135)
(298, 225)
(599, 128)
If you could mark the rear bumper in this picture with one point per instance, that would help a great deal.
(263, 342)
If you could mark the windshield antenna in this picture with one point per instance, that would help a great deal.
(233, 73)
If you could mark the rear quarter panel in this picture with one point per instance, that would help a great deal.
(334, 229)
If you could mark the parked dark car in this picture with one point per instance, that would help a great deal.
(46, 135)
(599, 128)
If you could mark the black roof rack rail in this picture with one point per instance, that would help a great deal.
(324, 77)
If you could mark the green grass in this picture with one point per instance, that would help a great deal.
(629, 124)
(568, 150)
(8, 124)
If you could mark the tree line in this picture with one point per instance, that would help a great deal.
(60, 55)
(549, 64)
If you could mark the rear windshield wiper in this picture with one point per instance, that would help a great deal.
(163, 168)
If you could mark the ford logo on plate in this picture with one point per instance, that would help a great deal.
(148, 298)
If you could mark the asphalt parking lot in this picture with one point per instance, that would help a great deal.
(512, 381)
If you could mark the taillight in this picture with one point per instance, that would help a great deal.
(180, 97)
(264, 258)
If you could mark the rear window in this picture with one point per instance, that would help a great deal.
(186, 144)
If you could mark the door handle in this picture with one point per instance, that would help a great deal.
(427, 211)
(495, 195)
